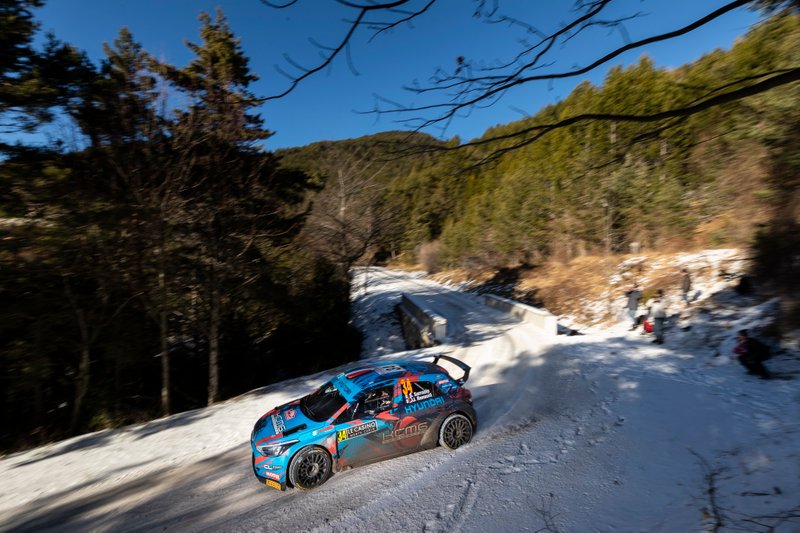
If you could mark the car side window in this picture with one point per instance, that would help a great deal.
(373, 401)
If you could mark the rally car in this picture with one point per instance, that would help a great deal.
(365, 414)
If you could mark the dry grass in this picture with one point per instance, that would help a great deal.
(563, 287)
(575, 287)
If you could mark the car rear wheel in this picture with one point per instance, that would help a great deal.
(456, 431)
(310, 468)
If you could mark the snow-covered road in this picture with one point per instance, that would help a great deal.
(585, 433)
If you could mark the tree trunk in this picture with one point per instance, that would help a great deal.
(165, 397)
(82, 379)
(213, 343)
(163, 326)
(81, 382)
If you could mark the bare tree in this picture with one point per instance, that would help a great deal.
(348, 215)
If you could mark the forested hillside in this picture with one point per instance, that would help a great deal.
(707, 180)
(156, 258)
(727, 176)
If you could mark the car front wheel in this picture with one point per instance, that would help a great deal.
(310, 468)
(456, 431)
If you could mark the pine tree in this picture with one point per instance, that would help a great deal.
(241, 206)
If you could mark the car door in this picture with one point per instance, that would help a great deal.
(362, 429)
(419, 408)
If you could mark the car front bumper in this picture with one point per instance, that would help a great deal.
(271, 471)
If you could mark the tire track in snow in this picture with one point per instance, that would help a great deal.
(454, 516)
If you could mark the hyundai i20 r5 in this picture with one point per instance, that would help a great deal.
(365, 414)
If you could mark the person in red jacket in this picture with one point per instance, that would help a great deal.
(657, 311)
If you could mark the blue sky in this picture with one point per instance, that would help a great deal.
(324, 107)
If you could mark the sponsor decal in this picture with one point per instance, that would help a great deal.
(274, 484)
(357, 431)
(290, 413)
(272, 475)
(424, 404)
(418, 396)
(443, 381)
(277, 423)
(411, 430)
(388, 369)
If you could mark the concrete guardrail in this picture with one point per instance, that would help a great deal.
(539, 318)
(422, 326)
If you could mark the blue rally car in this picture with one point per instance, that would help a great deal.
(365, 414)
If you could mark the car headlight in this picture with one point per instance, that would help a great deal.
(278, 448)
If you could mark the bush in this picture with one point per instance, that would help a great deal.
(429, 254)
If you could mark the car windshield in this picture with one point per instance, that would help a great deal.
(323, 403)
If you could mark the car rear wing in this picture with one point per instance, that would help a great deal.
(463, 366)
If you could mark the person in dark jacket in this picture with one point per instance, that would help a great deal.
(634, 294)
(751, 354)
(686, 285)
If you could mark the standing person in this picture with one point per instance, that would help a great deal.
(751, 354)
(657, 309)
(686, 285)
(634, 294)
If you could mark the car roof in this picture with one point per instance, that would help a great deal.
(370, 375)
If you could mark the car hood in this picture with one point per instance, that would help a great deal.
(283, 421)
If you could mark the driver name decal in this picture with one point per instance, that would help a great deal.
(357, 431)
(418, 396)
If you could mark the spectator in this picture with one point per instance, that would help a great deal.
(657, 310)
(744, 287)
(686, 285)
(634, 294)
(751, 354)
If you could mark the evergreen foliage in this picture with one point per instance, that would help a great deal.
(599, 186)
(166, 261)
(155, 267)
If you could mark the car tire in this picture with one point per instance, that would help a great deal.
(456, 430)
(310, 468)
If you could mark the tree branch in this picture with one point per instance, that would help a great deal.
(540, 130)
(514, 79)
